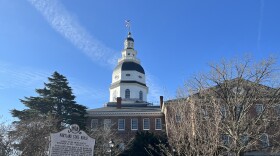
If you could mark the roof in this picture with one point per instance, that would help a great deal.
(125, 66)
(126, 111)
(232, 82)
(130, 39)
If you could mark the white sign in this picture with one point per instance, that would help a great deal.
(71, 142)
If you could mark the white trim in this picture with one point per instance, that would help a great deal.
(156, 124)
(148, 124)
(136, 123)
(123, 125)
(266, 141)
(178, 118)
(124, 113)
(259, 106)
(91, 124)
(107, 124)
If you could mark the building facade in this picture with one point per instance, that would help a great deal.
(234, 116)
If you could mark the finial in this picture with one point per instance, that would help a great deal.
(127, 25)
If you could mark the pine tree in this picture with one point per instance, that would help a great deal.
(56, 99)
(52, 110)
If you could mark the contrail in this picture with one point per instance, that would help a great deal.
(61, 21)
(260, 25)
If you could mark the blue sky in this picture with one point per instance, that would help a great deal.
(82, 39)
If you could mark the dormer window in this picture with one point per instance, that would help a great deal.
(238, 90)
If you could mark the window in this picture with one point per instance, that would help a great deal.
(158, 124)
(141, 95)
(277, 108)
(259, 109)
(127, 74)
(238, 90)
(107, 123)
(94, 124)
(264, 140)
(134, 124)
(127, 93)
(223, 112)
(204, 113)
(121, 146)
(225, 139)
(128, 54)
(244, 139)
(121, 124)
(178, 118)
(238, 110)
(140, 77)
(146, 124)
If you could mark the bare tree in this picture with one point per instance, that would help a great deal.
(189, 132)
(6, 148)
(33, 135)
(233, 109)
(107, 141)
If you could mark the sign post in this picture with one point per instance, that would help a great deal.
(71, 141)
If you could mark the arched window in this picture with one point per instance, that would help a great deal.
(127, 94)
(264, 140)
(141, 95)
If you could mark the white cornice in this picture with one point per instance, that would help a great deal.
(100, 114)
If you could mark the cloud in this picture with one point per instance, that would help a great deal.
(83, 91)
(16, 77)
(61, 21)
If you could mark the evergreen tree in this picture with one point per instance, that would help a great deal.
(55, 99)
(54, 109)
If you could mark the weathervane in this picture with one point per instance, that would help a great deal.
(128, 25)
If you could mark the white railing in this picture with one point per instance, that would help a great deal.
(129, 58)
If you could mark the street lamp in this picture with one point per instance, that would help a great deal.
(111, 146)
(174, 151)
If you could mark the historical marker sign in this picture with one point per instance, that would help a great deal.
(71, 142)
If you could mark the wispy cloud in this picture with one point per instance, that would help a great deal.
(260, 25)
(83, 91)
(61, 21)
(16, 77)
(154, 89)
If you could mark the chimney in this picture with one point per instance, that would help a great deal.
(161, 101)
(119, 102)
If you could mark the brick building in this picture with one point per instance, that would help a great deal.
(244, 113)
